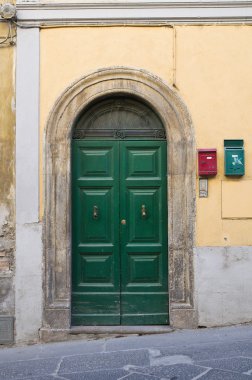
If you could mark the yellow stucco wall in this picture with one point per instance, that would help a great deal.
(211, 68)
(7, 148)
(69, 53)
(213, 65)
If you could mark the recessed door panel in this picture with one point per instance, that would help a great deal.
(95, 217)
(144, 214)
(143, 162)
(96, 162)
(96, 269)
(143, 268)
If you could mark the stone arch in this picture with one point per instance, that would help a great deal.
(181, 188)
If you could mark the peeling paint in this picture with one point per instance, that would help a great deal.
(4, 213)
(7, 173)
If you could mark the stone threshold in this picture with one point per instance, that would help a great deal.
(141, 330)
(96, 332)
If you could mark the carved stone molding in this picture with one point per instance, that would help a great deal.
(57, 197)
(141, 12)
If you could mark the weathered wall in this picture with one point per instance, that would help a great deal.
(28, 276)
(223, 285)
(213, 74)
(211, 68)
(7, 185)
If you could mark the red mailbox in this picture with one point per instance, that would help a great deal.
(207, 162)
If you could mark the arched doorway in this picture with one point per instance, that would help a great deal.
(166, 103)
(119, 215)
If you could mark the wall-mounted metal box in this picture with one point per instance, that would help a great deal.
(234, 157)
(207, 162)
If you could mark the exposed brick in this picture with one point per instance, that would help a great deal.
(4, 264)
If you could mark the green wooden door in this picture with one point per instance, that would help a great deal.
(143, 201)
(119, 233)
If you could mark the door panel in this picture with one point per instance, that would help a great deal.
(143, 211)
(95, 205)
(143, 162)
(95, 233)
(96, 268)
(95, 162)
(143, 268)
(119, 270)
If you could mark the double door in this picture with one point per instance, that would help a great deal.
(119, 232)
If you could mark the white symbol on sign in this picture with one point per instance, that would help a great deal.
(236, 160)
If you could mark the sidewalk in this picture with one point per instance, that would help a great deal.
(207, 354)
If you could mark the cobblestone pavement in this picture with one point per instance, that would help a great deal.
(207, 354)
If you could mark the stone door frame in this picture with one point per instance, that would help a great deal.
(57, 191)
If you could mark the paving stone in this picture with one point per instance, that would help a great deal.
(139, 376)
(183, 337)
(237, 364)
(177, 371)
(81, 363)
(40, 351)
(215, 374)
(206, 351)
(28, 368)
(97, 375)
(45, 377)
(180, 355)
